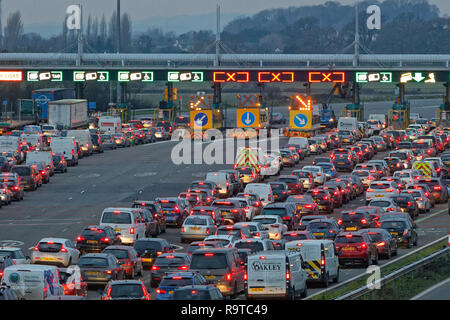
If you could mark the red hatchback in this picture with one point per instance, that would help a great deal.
(294, 183)
(356, 248)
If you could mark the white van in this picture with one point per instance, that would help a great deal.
(348, 123)
(32, 138)
(84, 138)
(110, 124)
(41, 157)
(302, 142)
(33, 282)
(67, 147)
(321, 260)
(275, 274)
(220, 178)
(126, 221)
(263, 190)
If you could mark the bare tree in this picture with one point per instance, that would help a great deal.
(89, 29)
(94, 31)
(112, 29)
(103, 32)
(13, 31)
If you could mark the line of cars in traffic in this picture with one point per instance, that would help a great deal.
(239, 229)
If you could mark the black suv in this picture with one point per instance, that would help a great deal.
(156, 211)
(96, 238)
(288, 212)
(354, 221)
(407, 203)
(149, 248)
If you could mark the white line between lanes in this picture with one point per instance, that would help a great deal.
(431, 215)
(420, 295)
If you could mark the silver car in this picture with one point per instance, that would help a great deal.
(197, 228)
(55, 251)
(108, 141)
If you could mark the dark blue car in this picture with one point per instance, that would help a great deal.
(173, 281)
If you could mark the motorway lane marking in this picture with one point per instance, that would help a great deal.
(145, 174)
(430, 216)
(11, 243)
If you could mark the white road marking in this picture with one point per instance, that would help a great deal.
(420, 295)
(432, 215)
(145, 174)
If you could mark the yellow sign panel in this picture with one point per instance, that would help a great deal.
(247, 118)
(300, 119)
(201, 119)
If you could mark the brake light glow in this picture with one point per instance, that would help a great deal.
(364, 246)
(228, 276)
(380, 244)
(154, 268)
(131, 230)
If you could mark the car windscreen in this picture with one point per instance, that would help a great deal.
(380, 203)
(93, 262)
(379, 186)
(302, 174)
(128, 290)
(352, 239)
(288, 180)
(266, 220)
(116, 217)
(400, 155)
(192, 221)
(209, 261)
(278, 186)
(194, 247)
(254, 246)
(118, 253)
(319, 226)
(93, 232)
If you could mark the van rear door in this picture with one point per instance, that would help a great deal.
(266, 275)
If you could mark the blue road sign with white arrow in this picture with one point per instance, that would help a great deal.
(248, 118)
(201, 119)
(300, 120)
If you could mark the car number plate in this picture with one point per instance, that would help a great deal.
(117, 230)
(341, 163)
(147, 260)
(348, 249)
(379, 196)
(195, 228)
(94, 273)
(165, 211)
(48, 259)
(210, 277)
(350, 229)
(92, 241)
(170, 292)
(256, 289)
(275, 196)
(394, 233)
(318, 233)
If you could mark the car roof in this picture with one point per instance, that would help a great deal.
(152, 239)
(128, 281)
(54, 239)
(213, 250)
(119, 247)
(97, 255)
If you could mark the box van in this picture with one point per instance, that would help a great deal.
(110, 124)
(220, 178)
(126, 221)
(302, 142)
(263, 190)
(321, 260)
(33, 282)
(348, 124)
(41, 157)
(275, 274)
(85, 140)
(67, 147)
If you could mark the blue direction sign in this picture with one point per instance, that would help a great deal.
(300, 120)
(248, 118)
(201, 119)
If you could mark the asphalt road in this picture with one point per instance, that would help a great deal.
(76, 199)
(440, 291)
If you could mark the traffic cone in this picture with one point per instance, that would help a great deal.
(448, 242)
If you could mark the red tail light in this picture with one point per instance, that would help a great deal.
(105, 239)
(245, 277)
(63, 249)
(339, 222)
(364, 246)
(380, 244)
(286, 218)
(437, 188)
(36, 248)
(363, 221)
(131, 230)
(158, 253)
(183, 268)
(308, 206)
(154, 268)
(107, 272)
(325, 198)
(158, 291)
(228, 277)
(288, 276)
(79, 239)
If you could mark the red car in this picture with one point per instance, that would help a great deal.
(356, 248)
(128, 258)
(294, 183)
(136, 124)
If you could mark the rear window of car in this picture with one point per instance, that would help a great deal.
(380, 203)
(245, 170)
(288, 180)
(209, 261)
(116, 217)
(429, 182)
(93, 262)
(93, 232)
(393, 224)
(278, 186)
(361, 173)
(352, 239)
(319, 225)
(400, 155)
(402, 174)
(49, 246)
(171, 282)
(126, 291)
(354, 216)
(167, 204)
(191, 294)
(22, 171)
(380, 186)
(118, 253)
(267, 220)
(302, 174)
(375, 236)
(223, 204)
(169, 260)
(255, 246)
(194, 247)
(274, 211)
(147, 245)
(195, 222)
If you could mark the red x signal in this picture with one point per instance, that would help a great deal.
(334, 77)
(275, 76)
(222, 76)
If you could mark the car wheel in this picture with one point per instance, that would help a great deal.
(336, 279)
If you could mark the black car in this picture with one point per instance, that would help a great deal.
(150, 248)
(280, 191)
(59, 163)
(97, 238)
(323, 199)
(169, 263)
(323, 228)
(174, 209)
(401, 230)
(155, 209)
(355, 220)
(5, 166)
(286, 210)
(407, 203)
(394, 164)
(97, 144)
(197, 292)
